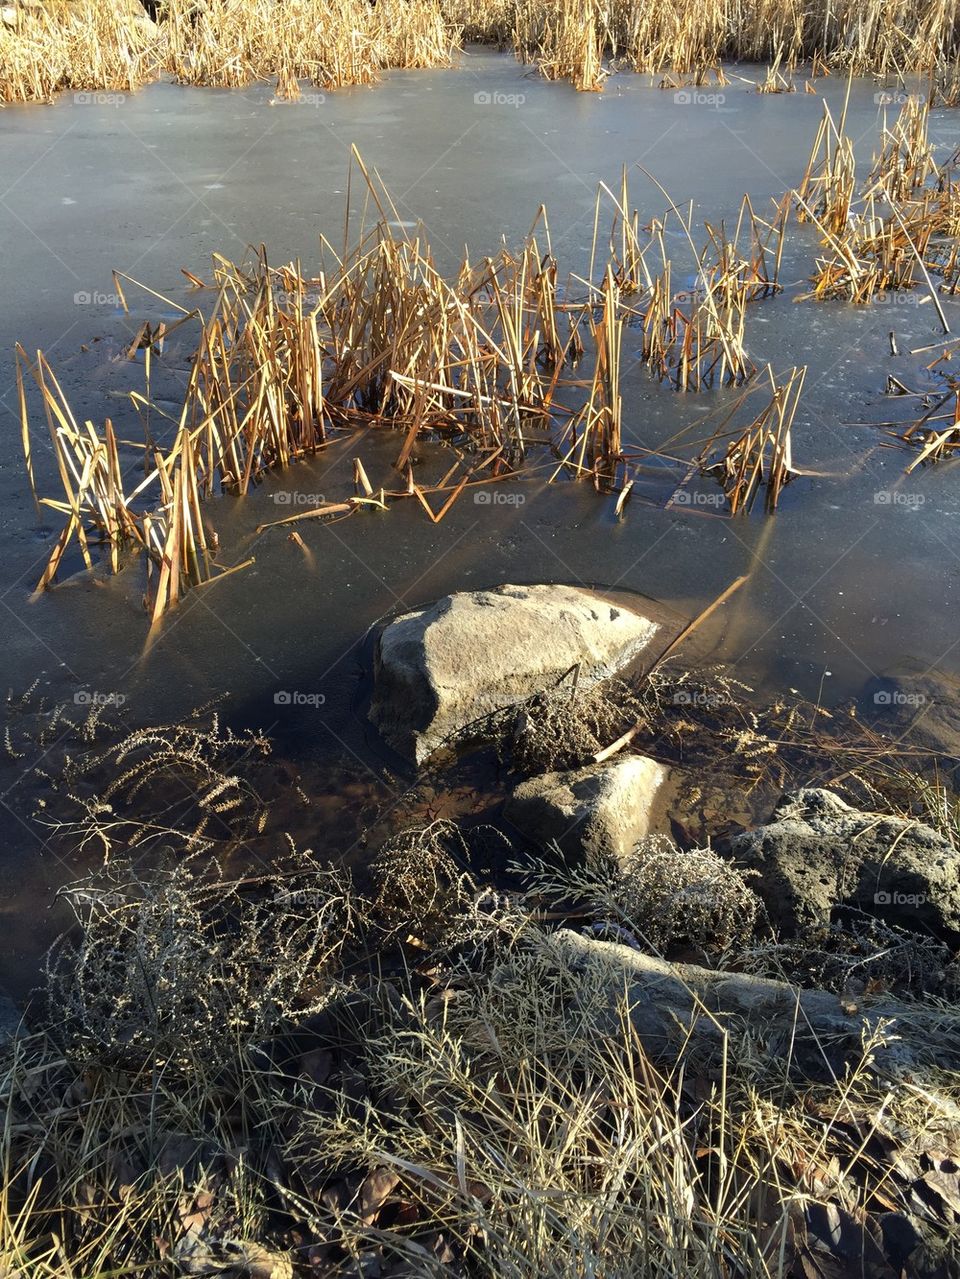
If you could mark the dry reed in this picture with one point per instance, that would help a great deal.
(86, 45)
(902, 225)
(483, 360)
(761, 455)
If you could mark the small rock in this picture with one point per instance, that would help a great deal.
(594, 813)
(441, 668)
(818, 853)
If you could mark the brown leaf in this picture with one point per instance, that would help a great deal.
(375, 1191)
(260, 1263)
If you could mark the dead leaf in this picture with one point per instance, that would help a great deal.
(375, 1191)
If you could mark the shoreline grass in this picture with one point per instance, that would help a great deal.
(274, 1070)
(276, 1075)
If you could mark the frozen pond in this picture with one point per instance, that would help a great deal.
(858, 571)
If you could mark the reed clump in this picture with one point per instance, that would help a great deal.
(761, 456)
(330, 43)
(570, 45)
(865, 36)
(890, 233)
(82, 44)
(696, 337)
(486, 360)
(86, 45)
(936, 434)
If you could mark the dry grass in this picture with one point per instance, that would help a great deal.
(187, 787)
(523, 1113)
(657, 898)
(174, 967)
(137, 1121)
(222, 1079)
(499, 1117)
(567, 726)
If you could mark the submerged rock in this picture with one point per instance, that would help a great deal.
(818, 853)
(593, 813)
(441, 668)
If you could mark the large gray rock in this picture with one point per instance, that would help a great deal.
(439, 669)
(686, 1008)
(593, 813)
(818, 853)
